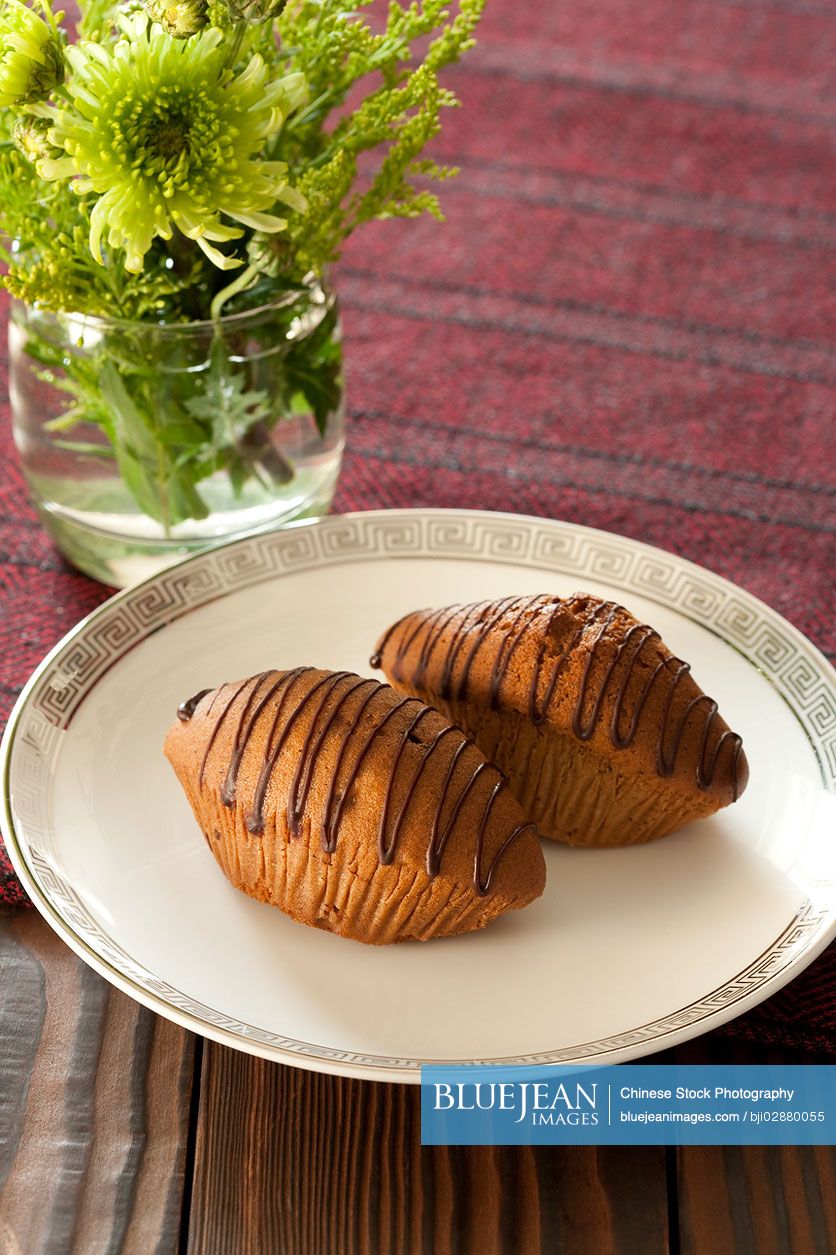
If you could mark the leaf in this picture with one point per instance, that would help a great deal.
(180, 432)
(85, 449)
(69, 419)
(314, 369)
(164, 490)
(238, 475)
(131, 428)
(142, 485)
(224, 401)
(185, 502)
(41, 351)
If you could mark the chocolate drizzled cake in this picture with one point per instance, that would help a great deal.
(604, 735)
(352, 808)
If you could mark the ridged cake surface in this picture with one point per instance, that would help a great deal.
(604, 735)
(353, 808)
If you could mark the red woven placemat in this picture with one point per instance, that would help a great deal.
(628, 321)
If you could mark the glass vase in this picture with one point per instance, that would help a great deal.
(142, 442)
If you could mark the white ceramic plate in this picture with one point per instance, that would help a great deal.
(628, 951)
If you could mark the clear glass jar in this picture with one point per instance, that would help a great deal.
(142, 442)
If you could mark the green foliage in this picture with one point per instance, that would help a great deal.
(313, 371)
(235, 421)
(49, 263)
(399, 114)
(370, 91)
(97, 18)
(172, 418)
(355, 151)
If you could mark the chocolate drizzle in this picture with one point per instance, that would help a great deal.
(507, 623)
(216, 729)
(336, 703)
(186, 709)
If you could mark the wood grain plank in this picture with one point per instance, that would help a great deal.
(754, 1200)
(94, 1099)
(757, 1200)
(337, 1169)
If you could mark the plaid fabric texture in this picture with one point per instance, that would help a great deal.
(627, 321)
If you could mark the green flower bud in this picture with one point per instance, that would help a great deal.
(180, 18)
(255, 10)
(31, 135)
(31, 55)
(270, 254)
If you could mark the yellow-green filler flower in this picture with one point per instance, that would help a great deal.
(168, 137)
(31, 54)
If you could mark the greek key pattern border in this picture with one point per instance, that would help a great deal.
(795, 669)
(757, 632)
(86, 928)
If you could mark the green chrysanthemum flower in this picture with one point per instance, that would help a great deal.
(168, 137)
(31, 55)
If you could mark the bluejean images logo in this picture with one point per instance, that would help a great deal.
(540, 1102)
(629, 1105)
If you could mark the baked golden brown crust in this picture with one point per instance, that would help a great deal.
(604, 735)
(352, 808)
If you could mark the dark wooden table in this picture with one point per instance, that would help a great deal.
(120, 1132)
